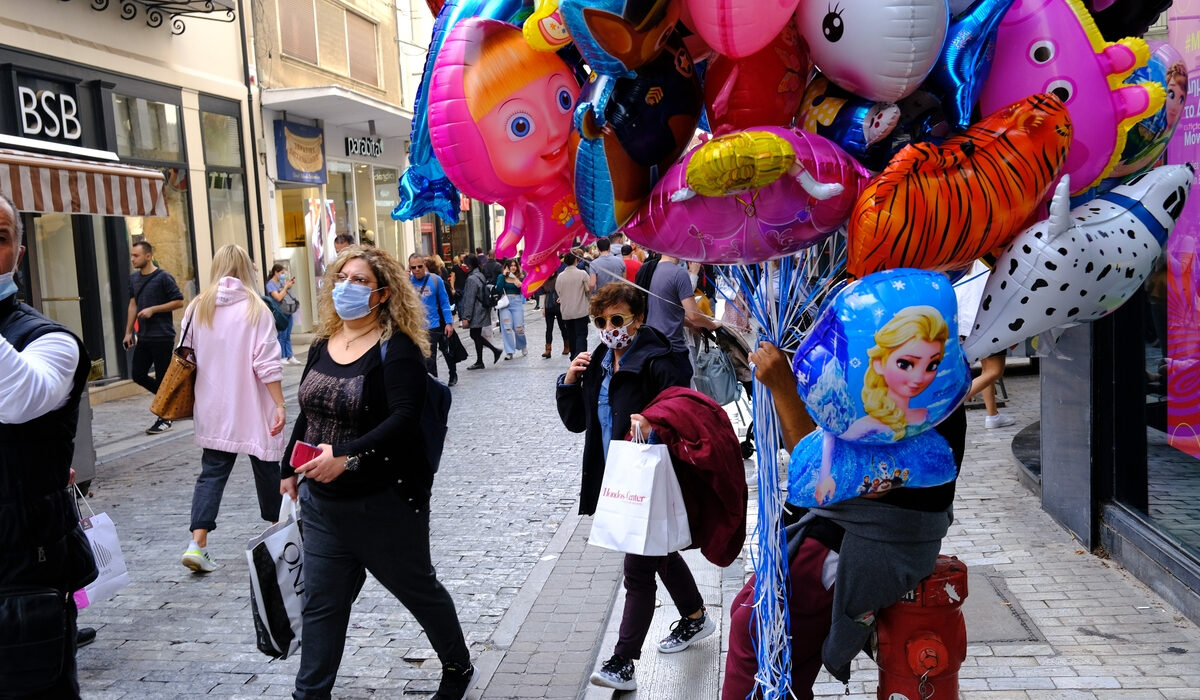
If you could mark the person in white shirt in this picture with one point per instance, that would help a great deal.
(43, 372)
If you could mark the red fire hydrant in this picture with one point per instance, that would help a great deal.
(922, 639)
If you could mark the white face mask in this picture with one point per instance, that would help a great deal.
(617, 338)
(8, 283)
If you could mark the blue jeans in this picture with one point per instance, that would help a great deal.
(382, 533)
(512, 324)
(285, 338)
(215, 467)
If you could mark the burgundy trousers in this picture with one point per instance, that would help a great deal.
(810, 608)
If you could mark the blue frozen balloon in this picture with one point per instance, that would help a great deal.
(883, 361)
(958, 76)
(424, 187)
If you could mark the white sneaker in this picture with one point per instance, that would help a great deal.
(197, 559)
(1000, 420)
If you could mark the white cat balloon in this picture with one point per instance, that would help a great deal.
(878, 50)
(1079, 265)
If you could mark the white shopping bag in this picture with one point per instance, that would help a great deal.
(110, 563)
(641, 509)
(276, 560)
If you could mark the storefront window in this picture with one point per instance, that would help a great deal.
(170, 235)
(222, 146)
(388, 234)
(147, 130)
(226, 180)
(227, 208)
(340, 189)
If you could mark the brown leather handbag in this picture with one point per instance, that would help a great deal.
(176, 395)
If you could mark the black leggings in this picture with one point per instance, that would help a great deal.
(480, 341)
(554, 315)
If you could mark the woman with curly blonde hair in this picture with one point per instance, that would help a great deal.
(366, 496)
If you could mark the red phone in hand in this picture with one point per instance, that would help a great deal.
(304, 453)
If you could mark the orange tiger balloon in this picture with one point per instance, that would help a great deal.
(942, 207)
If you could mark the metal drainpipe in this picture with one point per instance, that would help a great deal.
(262, 240)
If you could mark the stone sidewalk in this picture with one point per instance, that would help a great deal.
(1045, 618)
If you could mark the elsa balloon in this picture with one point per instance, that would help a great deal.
(499, 121)
(424, 188)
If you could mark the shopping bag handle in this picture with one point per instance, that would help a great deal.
(638, 437)
(84, 499)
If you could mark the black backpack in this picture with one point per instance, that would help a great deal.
(435, 415)
(281, 319)
(491, 295)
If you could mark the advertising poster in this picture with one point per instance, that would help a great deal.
(1183, 293)
(320, 236)
(300, 153)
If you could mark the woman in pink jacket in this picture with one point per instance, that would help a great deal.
(239, 400)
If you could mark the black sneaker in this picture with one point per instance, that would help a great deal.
(686, 631)
(84, 636)
(456, 681)
(453, 380)
(477, 365)
(616, 673)
(160, 426)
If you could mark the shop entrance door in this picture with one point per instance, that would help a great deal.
(61, 254)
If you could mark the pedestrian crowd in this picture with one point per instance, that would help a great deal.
(356, 460)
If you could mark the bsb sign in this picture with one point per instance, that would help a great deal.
(47, 110)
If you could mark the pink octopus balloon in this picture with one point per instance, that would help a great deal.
(499, 121)
(750, 196)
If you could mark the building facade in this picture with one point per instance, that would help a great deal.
(336, 111)
(121, 124)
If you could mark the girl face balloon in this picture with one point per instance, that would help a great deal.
(1148, 138)
(499, 121)
(883, 362)
(499, 111)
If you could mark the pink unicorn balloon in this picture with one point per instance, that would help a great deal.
(750, 196)
(499, 121)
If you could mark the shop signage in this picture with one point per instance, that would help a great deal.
(47, 109)
(368, 146)
(1183, 251)
(300, 153)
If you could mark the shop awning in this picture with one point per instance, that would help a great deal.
(340, 106)
(41, 183)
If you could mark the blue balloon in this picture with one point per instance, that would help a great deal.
(958, 76)
(424, 187)
(883, 361)
(880, 367)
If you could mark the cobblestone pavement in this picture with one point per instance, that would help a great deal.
(507, 484)
(536, 602)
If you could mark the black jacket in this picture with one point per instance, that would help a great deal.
(390, 448)
(41, 542)
(647, 368)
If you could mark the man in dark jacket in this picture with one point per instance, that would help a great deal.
(43, 370)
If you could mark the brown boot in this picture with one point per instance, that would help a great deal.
(566, 350)
(547, 353)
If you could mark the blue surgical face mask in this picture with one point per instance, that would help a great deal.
(352, 301)
(8, 284)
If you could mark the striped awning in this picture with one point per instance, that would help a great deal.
(41, 183)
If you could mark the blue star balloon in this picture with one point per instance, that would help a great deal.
(424, 187)
(958, 76)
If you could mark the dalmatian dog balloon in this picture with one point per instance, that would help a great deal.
(1079, 265)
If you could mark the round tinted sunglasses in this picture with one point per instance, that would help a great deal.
(616, 320)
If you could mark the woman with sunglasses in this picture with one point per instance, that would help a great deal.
(602, 395)
(365, 498)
